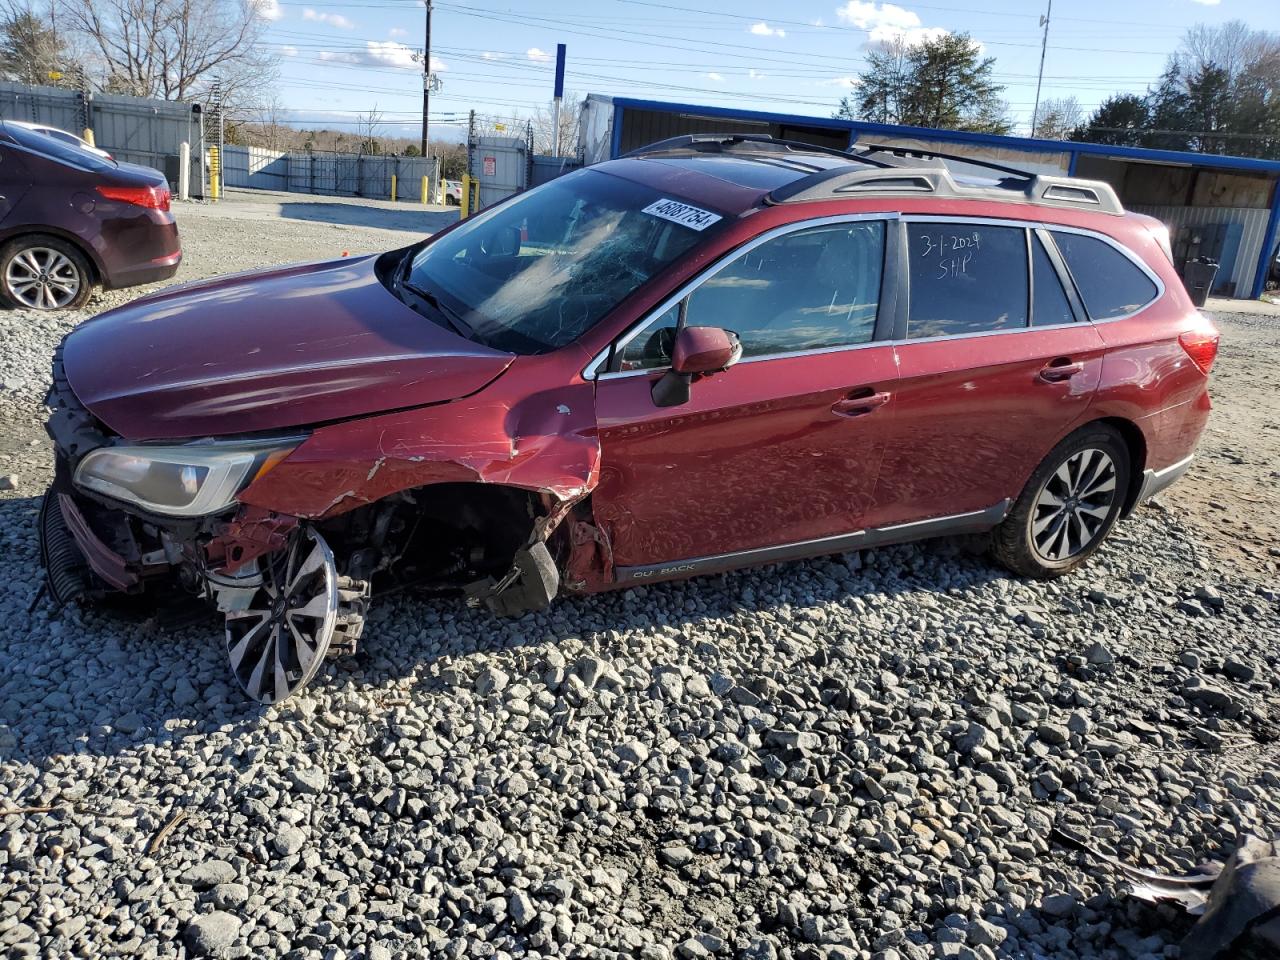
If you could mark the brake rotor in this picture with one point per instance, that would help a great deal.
(278, 641)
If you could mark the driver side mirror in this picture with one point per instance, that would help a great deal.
(697, 351)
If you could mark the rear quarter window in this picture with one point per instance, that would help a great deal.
(1110, 284)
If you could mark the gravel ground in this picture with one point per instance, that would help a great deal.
(856, 757)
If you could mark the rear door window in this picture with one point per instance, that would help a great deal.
(1049, 304)
(1110, 284)
(812, 289)
(966, 278)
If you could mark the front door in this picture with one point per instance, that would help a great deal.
(996, 365)
(781, 449)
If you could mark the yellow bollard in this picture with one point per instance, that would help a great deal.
(215, 173)
(393, 188)
(466, 195)
(426, 197)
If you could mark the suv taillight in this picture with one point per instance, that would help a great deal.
(1201, 347)
(154, 198)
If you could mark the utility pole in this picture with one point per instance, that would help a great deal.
(427, 78)
(1044, 44)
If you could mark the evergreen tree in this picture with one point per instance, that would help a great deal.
(940, 82)
(33, 52)
(1122, 121)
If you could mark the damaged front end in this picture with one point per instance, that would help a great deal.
(165, 519)
(285, 535)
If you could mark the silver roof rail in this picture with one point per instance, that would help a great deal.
(938, 181)
(890, 170)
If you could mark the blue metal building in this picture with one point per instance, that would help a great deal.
(1220, 206)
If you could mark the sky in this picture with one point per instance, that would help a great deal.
(340, 59)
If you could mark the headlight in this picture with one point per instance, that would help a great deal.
(183, 481)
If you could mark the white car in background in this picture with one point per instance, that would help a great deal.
(452, 191)
(62, 135)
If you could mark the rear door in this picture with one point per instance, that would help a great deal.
(779, 450)
(996, 363)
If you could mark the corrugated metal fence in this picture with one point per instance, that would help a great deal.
(131, 129)
(544, 169)
(330, 174)
(1253, 221)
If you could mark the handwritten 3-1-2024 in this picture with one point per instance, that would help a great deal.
(953, 252)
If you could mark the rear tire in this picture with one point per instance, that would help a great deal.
(40, 272)
(1068, 507)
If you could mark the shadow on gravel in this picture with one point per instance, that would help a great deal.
(410, 217)
(104, 679)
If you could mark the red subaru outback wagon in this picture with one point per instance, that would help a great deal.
(715, 352)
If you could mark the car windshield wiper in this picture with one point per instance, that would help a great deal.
(451, 316)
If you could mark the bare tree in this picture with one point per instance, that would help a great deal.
(174, 49)
(1233, 47)
(545, 139)
(367, 126)
(1058, 118)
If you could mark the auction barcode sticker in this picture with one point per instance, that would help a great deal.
(682, 213)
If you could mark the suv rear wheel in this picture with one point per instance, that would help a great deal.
(1068, 507)
(44, 273)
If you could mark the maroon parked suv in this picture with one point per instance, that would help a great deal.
(713, 353)
(71, 218)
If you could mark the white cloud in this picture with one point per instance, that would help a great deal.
(383, 53)
(762, 29)
(268, 9)
(397, 32)
(289, 51)
(756, 74)
(332, 19)
(537, 56)
(1207, 3)
(490, 55)
(715, 77)
(847, 83)
(885, 22)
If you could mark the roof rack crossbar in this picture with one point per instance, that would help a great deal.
(748, 143)
(955, 157)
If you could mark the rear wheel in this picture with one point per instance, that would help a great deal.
(1068, 507)
(44, 273)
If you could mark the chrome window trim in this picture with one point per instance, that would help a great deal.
(592, 371)
(1124, 252)
(1052, 228)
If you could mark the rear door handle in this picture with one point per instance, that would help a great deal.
(858, 406)
(1057, 371)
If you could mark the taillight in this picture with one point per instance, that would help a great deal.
(1201, 347)
(154, 198)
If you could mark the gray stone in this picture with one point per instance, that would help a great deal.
(491, 680)
(633, 751)
(1058, 904)
(288, 840)
(1054, 734)
(521, 909)
(208, 874)
(213, 934)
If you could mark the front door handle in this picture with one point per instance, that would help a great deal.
(858, 406)
(1060, 370)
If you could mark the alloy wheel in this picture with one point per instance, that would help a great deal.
(1071, 510)
(278, 643)
(42, 278)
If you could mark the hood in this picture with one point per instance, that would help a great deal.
(266, 351)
